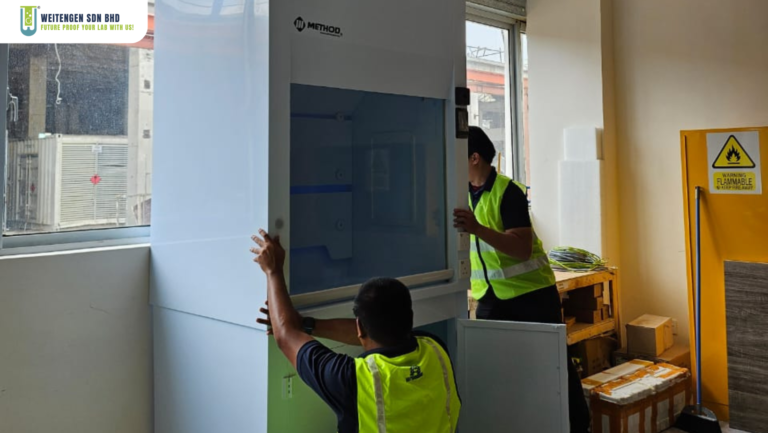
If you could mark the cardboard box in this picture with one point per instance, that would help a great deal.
(677, 355)
(649, 335)
(595, 291)
(584, 303)
(649, 400)
(627, 368)
(596, 380)
(588, 316)
(595, 355)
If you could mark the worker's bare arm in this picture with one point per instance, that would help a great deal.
(286, 321)
(341, 330)
(517, 243)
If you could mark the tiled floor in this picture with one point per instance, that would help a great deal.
(725, 428)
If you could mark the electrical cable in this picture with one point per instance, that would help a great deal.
(13, 106)
(58, 83)
(570, 259)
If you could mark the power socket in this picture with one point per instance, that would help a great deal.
(465, 269)
(287, 387)
(463, 241)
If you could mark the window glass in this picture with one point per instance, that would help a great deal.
(525, 153)
(367, 187)
(488, 80)
(79, 137)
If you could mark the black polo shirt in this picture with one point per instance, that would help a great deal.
(333, 376)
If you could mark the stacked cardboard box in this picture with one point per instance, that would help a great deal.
(677, 355)
(649, 335)
(587, 305)
(611, 374)
(647, 400)
(594, 354)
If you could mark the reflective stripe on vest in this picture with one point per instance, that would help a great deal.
(491, 268)
(409, 393)
(381, 420)
(511, 271)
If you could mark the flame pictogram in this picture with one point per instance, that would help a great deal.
(733, 153)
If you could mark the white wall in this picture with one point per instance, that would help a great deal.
(684, 64)
(656, 67)
(570, 82)
(75, 342)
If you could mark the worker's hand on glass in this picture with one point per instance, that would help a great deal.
(464, 219)
(270, 255)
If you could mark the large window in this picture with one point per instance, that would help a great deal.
(497, 76)
(78, 138)
(524, 108)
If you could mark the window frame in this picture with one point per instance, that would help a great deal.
(64, 240)
(515, 25)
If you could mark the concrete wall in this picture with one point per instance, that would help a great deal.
(75, 342)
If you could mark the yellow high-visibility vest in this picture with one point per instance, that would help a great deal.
(508, 276)
(409, 393)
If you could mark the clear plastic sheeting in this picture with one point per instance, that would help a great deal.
(367, 187)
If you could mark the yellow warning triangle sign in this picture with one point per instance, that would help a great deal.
(733, 155)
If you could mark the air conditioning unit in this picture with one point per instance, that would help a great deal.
(66, 182)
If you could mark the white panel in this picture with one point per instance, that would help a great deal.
(356, 67)
(512, 377)
(76, 342)
(397, 46)
(582, 144)
(430, 305)
(581, 196)
(210, 376)
(211, 176)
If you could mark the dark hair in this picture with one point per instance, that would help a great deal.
(383, 306)
(482, 145)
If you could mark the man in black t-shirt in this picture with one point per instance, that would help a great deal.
(512, 279)
(404, 380)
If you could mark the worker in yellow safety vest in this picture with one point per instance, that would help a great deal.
(402, 383)
(511, 278)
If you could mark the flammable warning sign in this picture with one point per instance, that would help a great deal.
(734, 163)
(735, 181)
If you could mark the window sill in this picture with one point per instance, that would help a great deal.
(71, 241)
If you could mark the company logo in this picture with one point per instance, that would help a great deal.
(28, 20)
(323, 29)
(415, 373)
(75, 22)
(300, 24)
